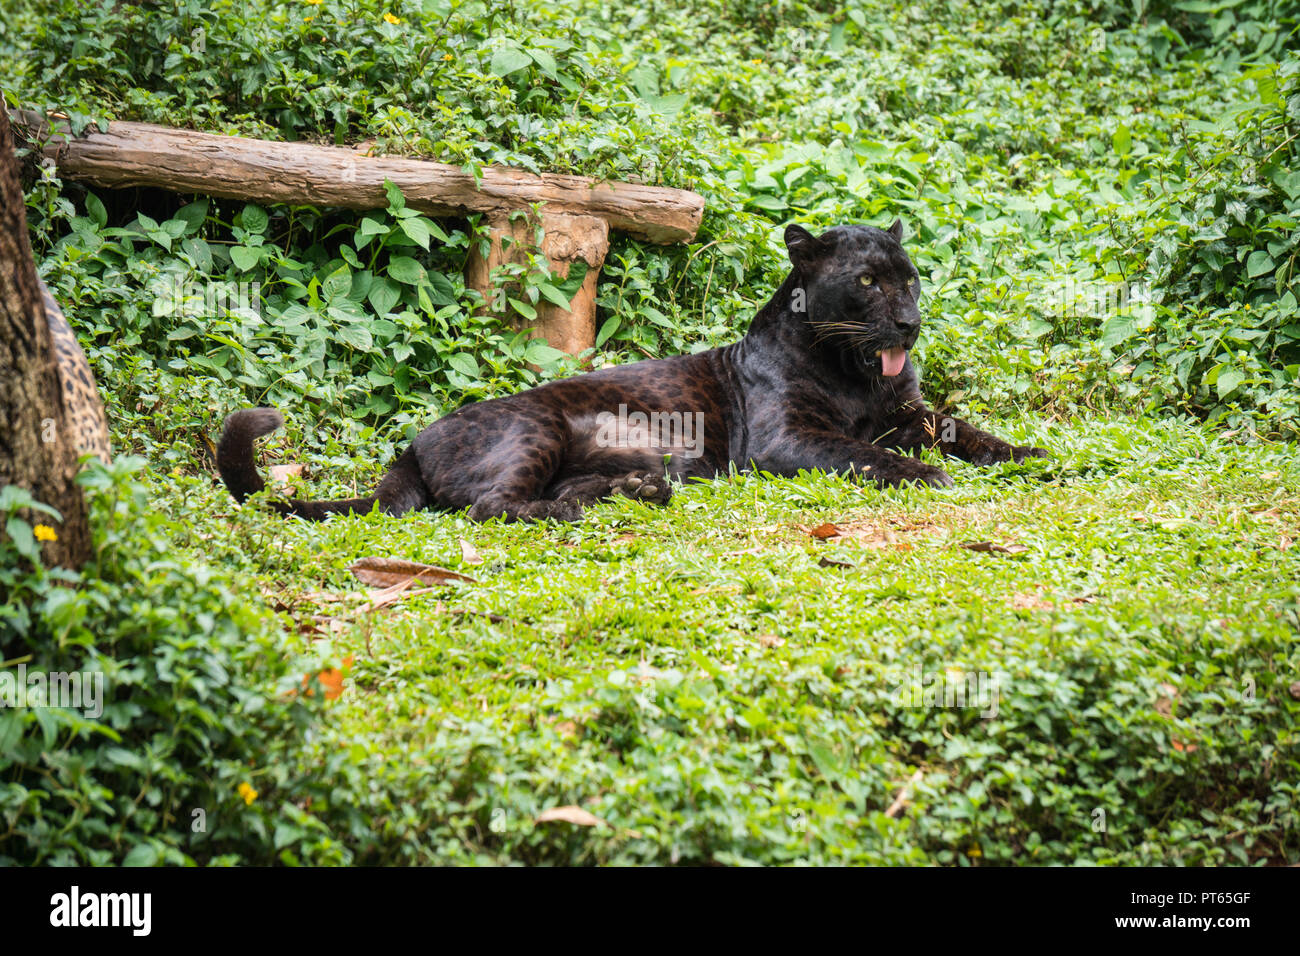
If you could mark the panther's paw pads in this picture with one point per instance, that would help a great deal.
(915, 472)
(567, 510)
(1020, 452)
(650, 488)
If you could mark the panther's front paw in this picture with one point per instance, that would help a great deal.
(650, 488)
(1020, 452)
(911, 470)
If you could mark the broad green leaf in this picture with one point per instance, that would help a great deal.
(1259, 263)
(406, 270)
(244, 258)
(95, 210)
(383, 295)
(1228, 381)
(254, 219)
(417, 231)
(464, 363)
(507, 60)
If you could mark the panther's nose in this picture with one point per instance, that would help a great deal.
(908, 323)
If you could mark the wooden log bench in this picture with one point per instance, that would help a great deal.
(577, 213)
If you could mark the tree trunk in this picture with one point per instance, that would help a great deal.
(36, 444)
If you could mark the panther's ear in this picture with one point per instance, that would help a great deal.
(803, 245)
(896, 230)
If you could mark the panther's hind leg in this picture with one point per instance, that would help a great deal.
(588, 489)
(523, 509)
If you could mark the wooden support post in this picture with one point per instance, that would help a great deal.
(566, 239)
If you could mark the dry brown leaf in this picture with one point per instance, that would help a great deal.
(828, 563)
(624, 539)
(331, 597)
(1165, 702)
(824, 531)
(386, 572)
(770, 640)
(469, 554)
(282, 473)
(900, 800)
(570, 814)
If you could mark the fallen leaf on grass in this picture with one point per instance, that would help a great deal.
(1165, 702)
(863, 535)
(330, 597)
(901, 799)
(770, 640)
(386, 572)
(994, 548)
(282, 473)
(331, 679)
(828, 563)
(469, 554)
(570, 814)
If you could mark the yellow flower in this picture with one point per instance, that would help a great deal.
(308, 19)
(447, 56)
(44, 532)
(313, 3)
(392, 19)
(246, 791)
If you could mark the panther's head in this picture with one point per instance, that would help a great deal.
(860, 291)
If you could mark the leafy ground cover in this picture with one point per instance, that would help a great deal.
(717, 684)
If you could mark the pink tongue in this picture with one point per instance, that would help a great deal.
(891, 361)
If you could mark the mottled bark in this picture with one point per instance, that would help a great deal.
(36, 444)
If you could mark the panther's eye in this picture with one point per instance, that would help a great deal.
(912, 281)
(867, 280)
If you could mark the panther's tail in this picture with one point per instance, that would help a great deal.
(239, 470)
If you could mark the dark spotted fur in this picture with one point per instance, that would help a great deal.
(804, 389)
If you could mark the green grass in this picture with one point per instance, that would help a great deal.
(701, 678)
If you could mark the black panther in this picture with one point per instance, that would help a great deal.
(821, 380)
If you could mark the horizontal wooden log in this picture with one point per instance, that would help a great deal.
(233, 167)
